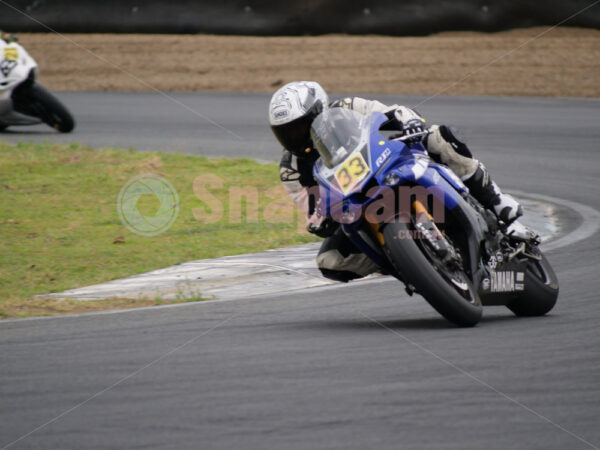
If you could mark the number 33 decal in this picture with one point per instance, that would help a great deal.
(352, 172)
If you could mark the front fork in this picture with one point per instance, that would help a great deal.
(368, 236)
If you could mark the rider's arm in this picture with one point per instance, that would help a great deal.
(407, 119)
(363, 105)
(297, 179)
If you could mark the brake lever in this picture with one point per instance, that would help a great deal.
(410, 137)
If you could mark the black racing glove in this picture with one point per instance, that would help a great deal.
(409, 123)
(324, 229)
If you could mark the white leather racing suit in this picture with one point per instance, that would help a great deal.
(338, 258)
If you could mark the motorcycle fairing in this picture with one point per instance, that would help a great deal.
(394, 160)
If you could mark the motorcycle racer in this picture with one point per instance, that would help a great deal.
(23, 99)
(292, 110)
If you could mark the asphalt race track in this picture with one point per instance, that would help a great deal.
(356, 366)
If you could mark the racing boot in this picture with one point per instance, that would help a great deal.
(445, 147)
(520, 232)
(487, 192)
(503, 205)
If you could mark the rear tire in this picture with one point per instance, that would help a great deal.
(417, 269)
(541, 290)
(35, 100)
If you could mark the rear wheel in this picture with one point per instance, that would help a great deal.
(541, 290)
(35, 100)
(444, 285)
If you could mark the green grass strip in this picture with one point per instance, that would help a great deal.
(60, 228)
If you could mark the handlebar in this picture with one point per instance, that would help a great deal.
(420, 135)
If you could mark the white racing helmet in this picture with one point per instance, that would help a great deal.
(291, 112)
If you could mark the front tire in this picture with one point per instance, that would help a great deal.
(462, 308)
(541, 290)
(35, 100)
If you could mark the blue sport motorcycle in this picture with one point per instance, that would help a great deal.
(417, 221)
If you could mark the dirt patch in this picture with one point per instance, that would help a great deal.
(561, 62)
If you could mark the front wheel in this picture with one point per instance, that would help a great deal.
(35, 100)
(541, 290)
(447, 289)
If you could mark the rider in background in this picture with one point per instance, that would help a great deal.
(291, 112)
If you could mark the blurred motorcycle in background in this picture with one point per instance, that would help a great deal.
(24, 101)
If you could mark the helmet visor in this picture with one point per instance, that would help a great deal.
(295, 135)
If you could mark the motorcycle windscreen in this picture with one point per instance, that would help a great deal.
(336, 133)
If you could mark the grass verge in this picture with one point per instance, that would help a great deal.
(60, 228)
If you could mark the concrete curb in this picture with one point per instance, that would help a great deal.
(268, 272)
